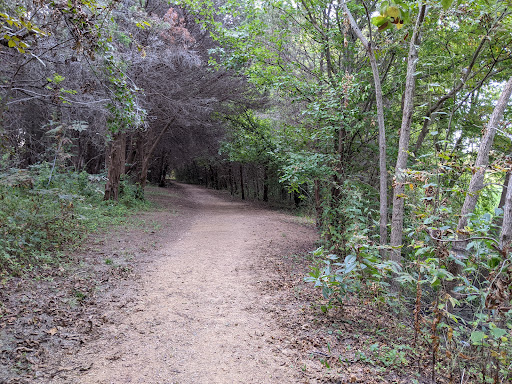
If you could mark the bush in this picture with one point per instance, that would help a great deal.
(42, 210)
(462, 323)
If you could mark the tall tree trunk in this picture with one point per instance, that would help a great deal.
(115, 164)
(143, 176)
(231, 189)
(242, 189)
(146, 156)
(296, 199)
(503, 197)
(163, 170)
(477, 180)
(397, 222)
(265, 183)
(383, 193)
(131, 152)
(215, 177)
(506, 228)
(318, 205)
(256, 184)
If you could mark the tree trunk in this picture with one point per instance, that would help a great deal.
(145, 157)
(231, 189)
(242, 181)
(506, 228)
(207, 178)
(132, 151)
(383, 191)
(318, 205)
(265, 183)
(403, 144)
(116, 161)
(143, 176)
(214, 177)
(296, 199)
(503, 197)
(164, 166)
(477, 180)
(504, 192)
(256, 184)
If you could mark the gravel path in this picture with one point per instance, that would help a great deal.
(199, 315)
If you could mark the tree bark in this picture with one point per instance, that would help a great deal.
(131, 152)
(164, 166)
(231, 189)
(504, 191)
(265, 183)
(115, 164)
(506, 228)
(146, 156)
(242, 189)
(477, 180)
(403, 144)
(383, 211)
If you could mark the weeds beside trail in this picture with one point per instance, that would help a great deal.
(90, 301)
(456, 327)
(57, 304)
(43, 210)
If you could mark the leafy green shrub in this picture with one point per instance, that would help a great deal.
(357, 273)
(41, 210)
(346, 217)
(462, 322)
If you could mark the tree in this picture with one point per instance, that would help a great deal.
(403, 144)
(383, 185)
(477, 180)
(186, 92)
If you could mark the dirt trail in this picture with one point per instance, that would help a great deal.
(200, 315)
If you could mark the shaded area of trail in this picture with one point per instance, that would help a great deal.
(198, 315)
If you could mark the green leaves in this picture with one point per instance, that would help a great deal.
(124, 108)
(391, 14)
(446, 4)
(350, 264)
(18, 31)
(477, 337)
(495, 332)
(37, 219)
(339, 279)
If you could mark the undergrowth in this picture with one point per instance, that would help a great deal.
(44, 210)
(459, 325)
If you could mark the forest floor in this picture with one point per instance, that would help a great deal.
(203, 289)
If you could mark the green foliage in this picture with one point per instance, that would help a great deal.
(11, 26)
(303, 56)
(42, 211)
(353, 266)
(300, 168)
(471, 330)
(249, 139)
(391, 14)
(125, 110)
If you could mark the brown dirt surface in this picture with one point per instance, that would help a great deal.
(174, 299)
(198, 316)
(204, 289)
